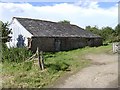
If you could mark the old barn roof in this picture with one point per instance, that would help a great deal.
(41, 28)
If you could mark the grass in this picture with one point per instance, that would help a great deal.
(29, 75)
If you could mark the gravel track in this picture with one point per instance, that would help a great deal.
(103, 73)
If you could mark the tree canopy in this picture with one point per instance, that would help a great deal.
(107, 33)
(4, 32)
(117, 31)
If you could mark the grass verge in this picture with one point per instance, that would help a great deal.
(28, 74)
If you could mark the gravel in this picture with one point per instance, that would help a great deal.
(103, 73)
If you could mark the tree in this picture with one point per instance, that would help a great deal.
(5, 31)
(107, 34)
(117, 32)
(94, 29)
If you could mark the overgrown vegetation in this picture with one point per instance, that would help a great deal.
(15, 54)
(28, 74)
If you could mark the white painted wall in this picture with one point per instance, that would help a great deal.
(18, 29)
(115, 47)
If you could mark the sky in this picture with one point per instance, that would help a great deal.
(79, 12)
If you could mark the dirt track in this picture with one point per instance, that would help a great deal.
(102, 74)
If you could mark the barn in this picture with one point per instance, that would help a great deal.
(50, 36)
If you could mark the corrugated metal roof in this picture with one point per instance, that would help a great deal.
(44, 28)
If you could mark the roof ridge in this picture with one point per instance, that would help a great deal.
(34, 19)
(45, 21)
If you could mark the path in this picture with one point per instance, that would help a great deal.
(102, 74)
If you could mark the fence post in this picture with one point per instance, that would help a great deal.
(40, 58)
(38, 54)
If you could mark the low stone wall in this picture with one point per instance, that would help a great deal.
(64, 43)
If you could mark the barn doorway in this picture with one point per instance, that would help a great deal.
(57, 45)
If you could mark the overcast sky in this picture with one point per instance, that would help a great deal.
(81, 12)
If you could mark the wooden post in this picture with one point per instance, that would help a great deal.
(41, 60)
(38, 54)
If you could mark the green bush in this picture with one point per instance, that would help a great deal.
(15, 54)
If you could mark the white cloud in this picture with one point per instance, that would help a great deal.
(57, 0)
(87, 3)
(85, 14)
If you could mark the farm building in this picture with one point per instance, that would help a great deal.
(50, 36)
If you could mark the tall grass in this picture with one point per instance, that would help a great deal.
(15, 54)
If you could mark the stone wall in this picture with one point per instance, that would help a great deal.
(65, 43)
(73, 43)
(44, 44)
